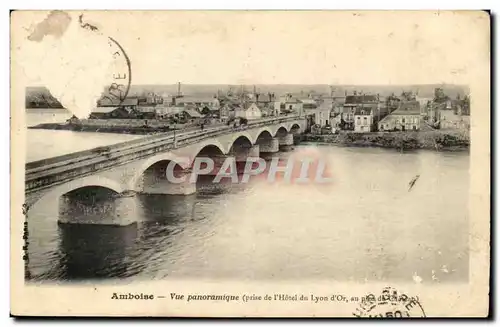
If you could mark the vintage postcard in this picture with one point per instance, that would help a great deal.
(250, 163)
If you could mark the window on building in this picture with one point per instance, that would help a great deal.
(403, 120)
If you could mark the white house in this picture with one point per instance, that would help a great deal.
(277, 108)
(293, 105)
(249, 111)
(363, 119)
(321, 115)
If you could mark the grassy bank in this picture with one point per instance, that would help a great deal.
(435, 140)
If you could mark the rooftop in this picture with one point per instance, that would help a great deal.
(247, 105)
(103, 110)
(108, 102)
(195, 99)
(308, 101)
(408, 108)
(193, 113)
(352, 99)
(365, 110)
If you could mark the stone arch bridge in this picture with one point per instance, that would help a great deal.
(98, 186)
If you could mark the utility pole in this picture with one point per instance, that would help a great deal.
(175, 128)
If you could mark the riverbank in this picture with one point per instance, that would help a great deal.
(446, 140)
(103, 129)
(120, 126)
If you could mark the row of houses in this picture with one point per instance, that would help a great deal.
(408, 112)
(447, 113)
(260, 105)
(188, 110)
(358, 112)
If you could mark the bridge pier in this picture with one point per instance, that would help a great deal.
(97, 208)
(270, 146)
(286, 142)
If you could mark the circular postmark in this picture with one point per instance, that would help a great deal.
(389, 304)
(120, 69)
(121, 74)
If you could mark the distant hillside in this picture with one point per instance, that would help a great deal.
(40, 97)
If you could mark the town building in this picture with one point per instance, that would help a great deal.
(452, 119)
(146, 112)
(363, 119)
(336, 119)
(248, 110)
(209, 111)
(423, 104)
(226, 111)
(405, 118)
(201, 101)
(321, 115)
(308, 104)
(349, 108)
(267, 111)
(434, 112)
(190, 116)
(264, 98)
(112, 108)
(128, 103)
(112, 113)
(292, 105)
(366, 117)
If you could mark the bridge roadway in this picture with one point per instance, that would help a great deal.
(118, 167)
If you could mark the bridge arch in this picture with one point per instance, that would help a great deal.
(183, 162)
(210, 144)
(264, 133)
(295, 128)
(89, 181)
(240, 136)
(281, 130)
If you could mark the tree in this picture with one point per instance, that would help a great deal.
(439, 95)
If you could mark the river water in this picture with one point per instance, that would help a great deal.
(42, 143)
(365, 226)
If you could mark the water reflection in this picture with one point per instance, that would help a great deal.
(95, 251)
